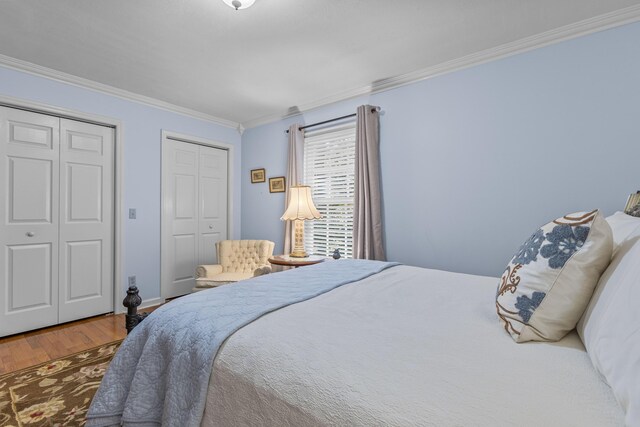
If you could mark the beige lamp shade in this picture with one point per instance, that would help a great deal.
(301, 205)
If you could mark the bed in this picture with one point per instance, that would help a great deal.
(408, 346)
(411, 346)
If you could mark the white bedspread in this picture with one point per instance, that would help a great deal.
(408, 346)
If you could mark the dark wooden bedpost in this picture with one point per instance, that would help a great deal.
(132, 301)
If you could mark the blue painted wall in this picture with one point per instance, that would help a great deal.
(473, 161)
(142, 126)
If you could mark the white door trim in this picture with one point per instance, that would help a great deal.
(164, 226)
(119, 291)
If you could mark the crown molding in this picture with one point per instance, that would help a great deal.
(581, 28)
(38, 70)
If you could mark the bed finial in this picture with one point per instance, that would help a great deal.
(132, 301)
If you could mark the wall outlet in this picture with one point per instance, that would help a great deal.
(132, 213)
(132, 280)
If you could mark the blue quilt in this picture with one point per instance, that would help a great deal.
(160, 374)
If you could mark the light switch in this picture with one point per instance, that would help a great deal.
(132, 213)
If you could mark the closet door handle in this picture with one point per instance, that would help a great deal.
(30, 234)
(210, 227)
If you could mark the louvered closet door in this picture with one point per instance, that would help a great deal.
(86, 220)
(29, 155)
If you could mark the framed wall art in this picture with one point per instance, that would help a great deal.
(276, 184)
(633, 205)
(258, 175)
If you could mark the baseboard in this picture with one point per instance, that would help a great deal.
(151, 302)
(145, 304)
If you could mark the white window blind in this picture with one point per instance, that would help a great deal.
(329, 168)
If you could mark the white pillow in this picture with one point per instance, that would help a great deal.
(622, 225)
(549, 282)
(610, 327)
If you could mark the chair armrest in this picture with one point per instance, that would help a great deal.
(208, 271)
(264, 269)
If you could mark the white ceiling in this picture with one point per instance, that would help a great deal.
(257, 64)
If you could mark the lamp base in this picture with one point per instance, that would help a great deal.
(302, 254)
(298, 240)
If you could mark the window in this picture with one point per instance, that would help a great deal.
(329, 168)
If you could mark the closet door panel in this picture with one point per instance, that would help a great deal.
(29, 191)
(29, 273)
(180, 195)
(84, 193)
(30, 187)
(212, 221)
(86, 220)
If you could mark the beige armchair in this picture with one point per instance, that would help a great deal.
(237, 260)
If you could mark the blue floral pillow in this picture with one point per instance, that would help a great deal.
(549, 282)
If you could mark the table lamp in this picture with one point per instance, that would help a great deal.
(300, 208)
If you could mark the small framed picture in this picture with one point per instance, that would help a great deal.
(633, 205)
(258, 175)
(276, 185)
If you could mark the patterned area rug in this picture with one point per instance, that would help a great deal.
(56, 393)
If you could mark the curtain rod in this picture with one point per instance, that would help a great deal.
(333, 120)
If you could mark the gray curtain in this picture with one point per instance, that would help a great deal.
(367, 215)
(294, 177)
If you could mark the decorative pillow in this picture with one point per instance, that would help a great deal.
(548, 283)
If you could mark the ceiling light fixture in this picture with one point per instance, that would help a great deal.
(239, 4)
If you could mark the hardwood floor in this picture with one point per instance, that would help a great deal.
(32, 348)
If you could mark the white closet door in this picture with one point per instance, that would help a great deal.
(29, 156)
(180, 188)
(213, 202)
(194, 187)
(86, 220)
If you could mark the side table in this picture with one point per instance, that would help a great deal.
(286, 260)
